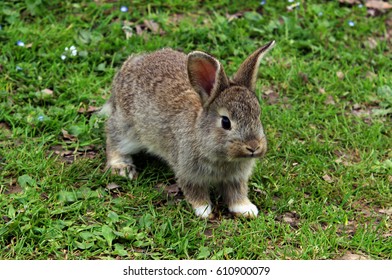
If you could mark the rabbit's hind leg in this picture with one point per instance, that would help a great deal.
(121, 143)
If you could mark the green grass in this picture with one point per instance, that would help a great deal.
(323, 190)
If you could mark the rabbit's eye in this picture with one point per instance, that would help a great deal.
(226, 124)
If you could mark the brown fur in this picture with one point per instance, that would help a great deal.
(171, 105)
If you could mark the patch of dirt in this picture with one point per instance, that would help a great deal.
(347, 157)
(352, 256)
(13, 187)
(364, 216)
(5, 129)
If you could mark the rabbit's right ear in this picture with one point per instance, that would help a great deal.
(206, 76)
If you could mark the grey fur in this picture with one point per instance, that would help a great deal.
(171, 104)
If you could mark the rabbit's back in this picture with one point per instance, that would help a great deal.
(152, 93)
(155, 82)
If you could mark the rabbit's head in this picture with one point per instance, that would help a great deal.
(229, 123)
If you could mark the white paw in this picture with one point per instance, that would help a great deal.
(125, 170)
(203, 211)
(248, 210)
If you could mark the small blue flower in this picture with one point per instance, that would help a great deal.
(351, 23)
(290, 1)
(20, 43)
(360, 6)
(124, 9)
(320, 14)
(40, 118)
(18, 68)
(262, 2)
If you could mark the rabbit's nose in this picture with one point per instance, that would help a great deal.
(252, 150)
(252, 146)
(256, 147)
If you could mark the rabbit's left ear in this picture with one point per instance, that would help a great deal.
(247, 73)
(206, 76)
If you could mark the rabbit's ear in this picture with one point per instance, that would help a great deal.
(247, 73)
(206, 76)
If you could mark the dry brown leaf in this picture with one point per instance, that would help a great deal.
(365, 112)
(90, 109)
(47, 91)
(330, 100)
(112, 186)
(291, 218)
(139, 30)
(304, 77)
(328, 178)
(172, 189)
(370, 75)
(176, 18)
(271, 95)
(234, 16)
(340, 75)
(68, 136)
(371, 43)
(378, 5)
(388, 211)
(153, 26)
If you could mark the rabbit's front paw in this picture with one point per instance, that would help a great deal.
(203, 211)
(248, 210)
(125, 170)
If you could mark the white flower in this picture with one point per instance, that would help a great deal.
(63, 57)
(20, 43)
(124, 9)
(72, 51)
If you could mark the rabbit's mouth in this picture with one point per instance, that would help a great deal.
(252, 155)
(251, 149)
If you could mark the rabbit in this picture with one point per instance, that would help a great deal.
(186, 111)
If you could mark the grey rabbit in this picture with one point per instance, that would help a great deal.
(185, 110)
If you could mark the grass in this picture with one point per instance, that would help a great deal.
(323, 190)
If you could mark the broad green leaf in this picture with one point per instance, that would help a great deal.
(25, 180)
(108, 234)
(204, 253)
